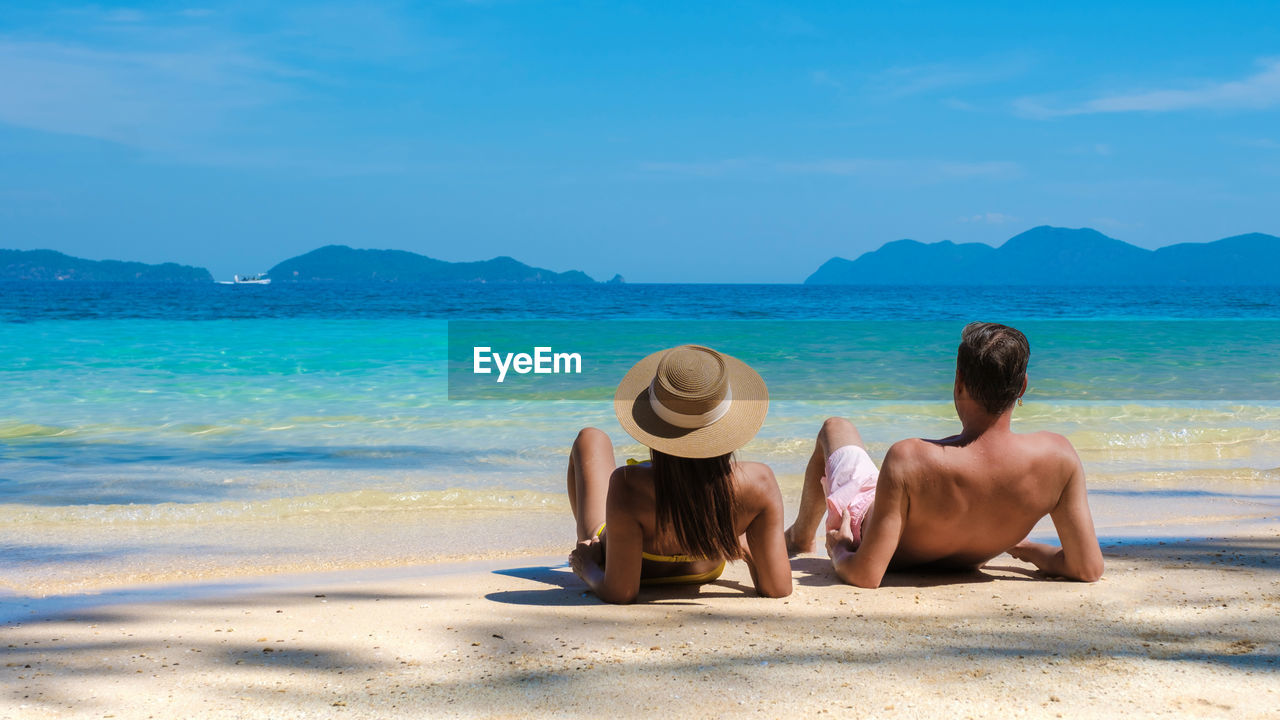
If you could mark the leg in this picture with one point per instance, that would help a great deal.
(590, 465)
(835, 434)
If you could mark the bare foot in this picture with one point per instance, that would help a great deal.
(794, 546)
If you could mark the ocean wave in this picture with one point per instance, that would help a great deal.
(358, 501)
(1248, 479)
(16, 430)
(540, 420)
(1216, 441)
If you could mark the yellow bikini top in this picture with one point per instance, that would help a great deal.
(654, 556)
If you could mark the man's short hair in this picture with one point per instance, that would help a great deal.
(992, 363)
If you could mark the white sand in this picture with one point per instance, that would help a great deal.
(1175, 629)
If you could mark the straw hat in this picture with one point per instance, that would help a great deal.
(691, 401)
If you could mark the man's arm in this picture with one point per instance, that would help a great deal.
(865, 567)
(1079, 558)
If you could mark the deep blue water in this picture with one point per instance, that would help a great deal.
(29, 302)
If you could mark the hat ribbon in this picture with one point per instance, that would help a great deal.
(682, 420)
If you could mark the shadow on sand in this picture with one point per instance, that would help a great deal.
(565, 589)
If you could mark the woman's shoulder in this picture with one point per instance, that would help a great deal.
(756, 479)
(632, 477)
(755, 470)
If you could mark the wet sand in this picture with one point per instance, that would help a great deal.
(57, 558)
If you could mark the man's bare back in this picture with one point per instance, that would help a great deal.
(967, 502)
(956, 502)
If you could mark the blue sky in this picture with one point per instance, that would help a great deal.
(718, 142)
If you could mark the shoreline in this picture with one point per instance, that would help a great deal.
(1175, 628)
(17, 608)
(64, 560)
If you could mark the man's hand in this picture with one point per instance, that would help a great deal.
(1020, 550)
(1048, 560)
(1027, 551)
(841, 540)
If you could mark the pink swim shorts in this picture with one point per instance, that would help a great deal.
(850, 483)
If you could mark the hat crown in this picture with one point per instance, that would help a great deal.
(691, 380)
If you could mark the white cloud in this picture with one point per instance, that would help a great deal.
(708, 168)
(916, 80)
(1260, 143)
(1256, 92)
(989, 218)
(1110, 223)
(793, 25)
(192, 85)
(1094, 148)
(125, 15)
(837, 166)
(908, 171)
(917, 170)
(958, 104)
(901, 81)
(823, 78)
(990, 169)
(904, 81)
(160, 100)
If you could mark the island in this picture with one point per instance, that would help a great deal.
(55, 266)
(339, 263)
(1063, 257)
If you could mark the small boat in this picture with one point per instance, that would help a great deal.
(259, 279)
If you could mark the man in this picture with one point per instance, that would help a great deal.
(956, 502)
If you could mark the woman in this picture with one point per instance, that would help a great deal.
(680, 516)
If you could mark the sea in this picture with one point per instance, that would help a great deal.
(180, 433)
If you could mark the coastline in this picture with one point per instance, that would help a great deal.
(1176, 627)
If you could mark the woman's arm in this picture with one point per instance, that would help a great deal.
(766, 547)
(618, 580)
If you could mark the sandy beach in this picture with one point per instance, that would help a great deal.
(1175, 628)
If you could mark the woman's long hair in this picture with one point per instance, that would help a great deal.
(694, 500)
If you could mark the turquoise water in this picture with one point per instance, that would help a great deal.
(140, 433)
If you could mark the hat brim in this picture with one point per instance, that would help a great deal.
(747, 410)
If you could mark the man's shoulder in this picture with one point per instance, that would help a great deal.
(911, 450)
(1050, 443)
(907, 458)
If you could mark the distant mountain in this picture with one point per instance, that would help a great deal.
(932, 264)
(1060, 256)
(1251, 259)
(344, 264)
(51, 265)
